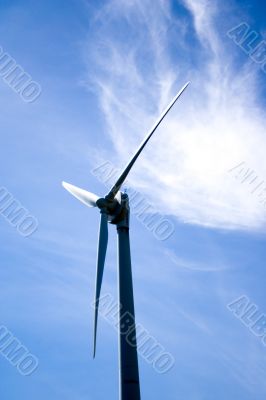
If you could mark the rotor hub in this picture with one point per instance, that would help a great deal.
(117, 211)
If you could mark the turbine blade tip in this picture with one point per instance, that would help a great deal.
(65, 184)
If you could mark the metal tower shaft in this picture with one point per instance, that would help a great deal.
(128, 358)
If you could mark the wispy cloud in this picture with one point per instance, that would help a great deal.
(194, 266)
(217, 123)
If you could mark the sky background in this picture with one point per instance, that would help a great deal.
(107, 69)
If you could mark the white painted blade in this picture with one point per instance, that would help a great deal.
(102, 248)
(87, 198)
(125, 173)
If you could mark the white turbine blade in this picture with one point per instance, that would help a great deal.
(102, 247)
(118, 196)
(87, 198)
(124, 174)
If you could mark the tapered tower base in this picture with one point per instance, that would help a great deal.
(128, 358)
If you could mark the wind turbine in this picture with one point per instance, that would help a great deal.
(114, 208)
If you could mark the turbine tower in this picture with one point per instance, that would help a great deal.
(114, 208)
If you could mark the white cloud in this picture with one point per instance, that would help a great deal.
(140, 57)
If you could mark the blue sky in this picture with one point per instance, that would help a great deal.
(107, 69)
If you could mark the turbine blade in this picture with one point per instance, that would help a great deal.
(123, 176)
(118, 196)
(102, 247)
(85, 197)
